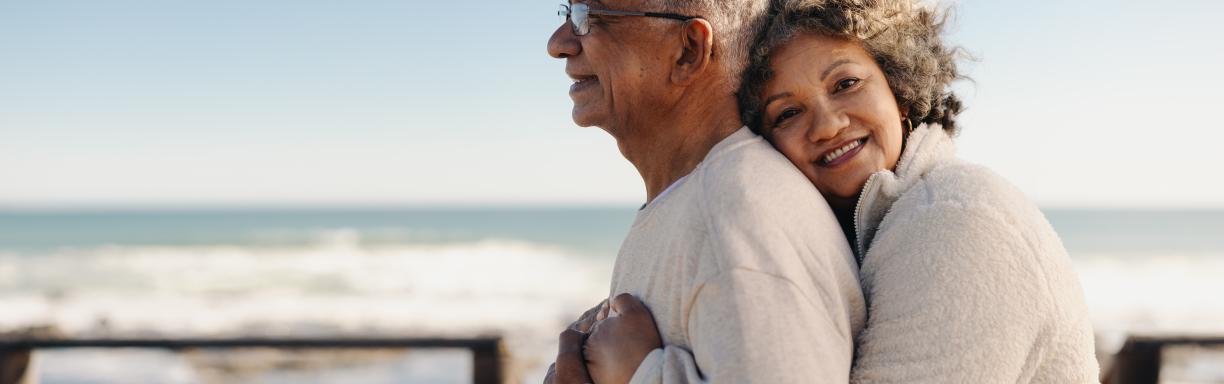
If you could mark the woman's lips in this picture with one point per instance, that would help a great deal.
(842, 154)
(581, 84)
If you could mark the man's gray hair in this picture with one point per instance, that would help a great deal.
(736, 24)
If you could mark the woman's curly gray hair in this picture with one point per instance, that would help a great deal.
(903, 38)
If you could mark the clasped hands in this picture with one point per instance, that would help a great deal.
(606, 344)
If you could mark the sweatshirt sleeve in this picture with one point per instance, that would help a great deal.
(957, 295)
(747, 326)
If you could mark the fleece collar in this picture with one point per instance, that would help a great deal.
(927, 146)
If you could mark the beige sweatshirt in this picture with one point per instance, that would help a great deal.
(746, 272)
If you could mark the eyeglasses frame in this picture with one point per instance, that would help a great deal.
(568, 9)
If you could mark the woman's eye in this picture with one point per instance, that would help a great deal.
(846, 83)
(786, 114)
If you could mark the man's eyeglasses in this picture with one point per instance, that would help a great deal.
(579, 15)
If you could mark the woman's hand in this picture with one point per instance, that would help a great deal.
(620, 339)
(570, 366)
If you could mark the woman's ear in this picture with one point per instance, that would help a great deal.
(697, 50)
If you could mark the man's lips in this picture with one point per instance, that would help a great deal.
(842, 153)
(582, 82)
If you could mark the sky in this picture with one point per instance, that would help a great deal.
(1092, 104)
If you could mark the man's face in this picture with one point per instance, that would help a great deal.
(618, 68)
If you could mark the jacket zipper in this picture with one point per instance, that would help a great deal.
(907, 154)
(858, 209)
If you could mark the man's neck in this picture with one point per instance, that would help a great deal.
(676, 143)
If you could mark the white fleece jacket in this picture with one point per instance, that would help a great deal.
(965, 280)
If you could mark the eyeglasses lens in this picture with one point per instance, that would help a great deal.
(577, 15)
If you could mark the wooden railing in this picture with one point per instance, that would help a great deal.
(488, 354)
(1139, 360)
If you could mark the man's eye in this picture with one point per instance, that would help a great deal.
(786, 114)
(847, 83)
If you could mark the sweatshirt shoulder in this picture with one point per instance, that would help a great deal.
(751, 175)
(759, 208)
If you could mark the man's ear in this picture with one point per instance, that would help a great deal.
(697, 51)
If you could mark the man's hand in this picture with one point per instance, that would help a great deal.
(570, 366)
(617, 344)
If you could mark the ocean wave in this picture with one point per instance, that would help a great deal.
(493, 268)
(1156, 293)
(523, 291)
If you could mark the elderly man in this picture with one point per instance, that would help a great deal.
(738, 257)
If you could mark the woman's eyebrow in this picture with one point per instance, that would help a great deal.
(824, 75)
(774, 98)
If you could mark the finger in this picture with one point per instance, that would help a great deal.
(594, 330)
(603, 311)
(570, 365)
(601, 332)
(569, 341)
(551, 376)
(627, 304)
(583, 324)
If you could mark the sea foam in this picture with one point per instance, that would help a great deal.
(523, 291)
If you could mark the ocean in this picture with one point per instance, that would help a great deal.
(520, 273)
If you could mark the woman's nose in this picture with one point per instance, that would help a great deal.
(826, 124)
(563, 42)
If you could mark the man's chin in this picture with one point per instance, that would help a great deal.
(584, 118)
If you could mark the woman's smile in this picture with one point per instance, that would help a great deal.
(842, 154)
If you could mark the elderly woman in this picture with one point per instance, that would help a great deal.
(966, 281)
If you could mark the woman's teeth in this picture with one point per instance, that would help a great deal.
(841, 151)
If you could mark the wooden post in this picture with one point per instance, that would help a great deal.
(1137, 363)
(14, 365)
(487, 363)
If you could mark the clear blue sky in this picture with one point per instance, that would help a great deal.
(126, 102)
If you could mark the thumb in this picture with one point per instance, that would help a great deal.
(627, 304)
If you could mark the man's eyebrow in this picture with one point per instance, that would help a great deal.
(831, 67)
(774, 98)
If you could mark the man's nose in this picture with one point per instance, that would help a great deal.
(827, 123)
(563, 43)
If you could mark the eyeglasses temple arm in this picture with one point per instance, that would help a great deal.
(647, 14)
(670, 16)
(610, 12)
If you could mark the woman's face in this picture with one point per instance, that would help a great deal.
(830, 111)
